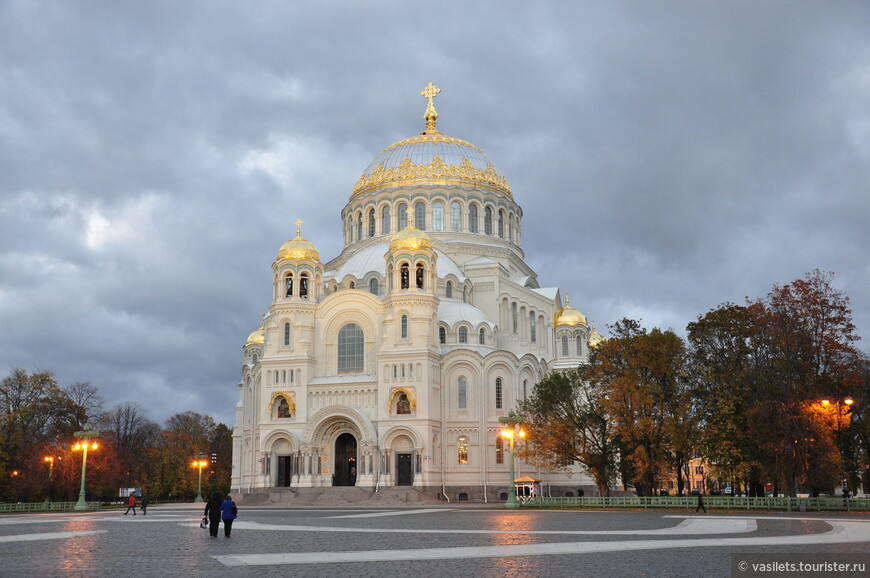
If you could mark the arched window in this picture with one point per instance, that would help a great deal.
(511, 227)
(499, 450)
(405, 276)
(351, 285)
(533, 327)
(438, 216)
(284, 376)
(420, 275)
(286, 334)
(481, 337)
(289, 285)
(404, 327)
(255, 359)
(448, 290)
(462, 393)
(276, 377)
(385, 220)
(390, 279)
(472, 218)
(498, 393)
(455, 217)
(487, 221)
(359, 228)
(303, 285)
(514, 317)
(374, 286)
(564, 346)
(402, 214)
(525, 389)
(442, 335)
(463, 335)
(371, 222)
(579, 345)
(350, 349)
(501, 224)
(420, 215)
(462, 449)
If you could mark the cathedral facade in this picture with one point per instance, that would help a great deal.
(391, 364)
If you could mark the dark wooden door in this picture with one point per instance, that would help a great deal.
(404, 470)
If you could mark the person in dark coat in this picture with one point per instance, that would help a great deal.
(228, 514)
(700, 504)
(143, 504)
(213, 511)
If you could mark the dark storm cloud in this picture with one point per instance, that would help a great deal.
(668, 157)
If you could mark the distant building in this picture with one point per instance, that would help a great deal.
(391, 364)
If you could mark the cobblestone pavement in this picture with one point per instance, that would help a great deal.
(443, 541)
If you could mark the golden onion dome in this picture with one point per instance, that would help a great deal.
(595, 338)
(410, 238)
(298, 249)
(568, 316)
(257, 337)
(431, 158)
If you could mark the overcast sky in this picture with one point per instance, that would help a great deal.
(668, 156)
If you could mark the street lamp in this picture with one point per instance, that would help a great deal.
(200, 463)
(50, 461)
(513, 420)
(87, 435)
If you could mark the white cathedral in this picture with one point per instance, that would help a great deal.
(391, 364)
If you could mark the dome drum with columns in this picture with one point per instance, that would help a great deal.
(391, 364)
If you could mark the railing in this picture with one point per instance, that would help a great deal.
(43, 507)
(710, 502)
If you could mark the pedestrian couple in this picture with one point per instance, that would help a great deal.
(218, 509)
(143, 504)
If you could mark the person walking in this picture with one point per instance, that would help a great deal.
(229, 512)
(213, 511)
(700, 504)
(143, 504)
(131, 504)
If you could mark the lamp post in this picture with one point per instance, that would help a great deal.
(200, 463)
(86, 435)
(513, 420)
(50, 461)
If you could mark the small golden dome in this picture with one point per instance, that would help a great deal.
(257, 337)
(568, 316)
(298, 249)
(595, 338)
(410, 238)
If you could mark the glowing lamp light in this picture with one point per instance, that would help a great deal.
(848, 401)
(826, 402)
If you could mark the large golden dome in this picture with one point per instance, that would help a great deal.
(410, 238)
(298, 249)
(568, 316)
(431, 158)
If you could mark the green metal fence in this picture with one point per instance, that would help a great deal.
(711, 502)
(43, 507)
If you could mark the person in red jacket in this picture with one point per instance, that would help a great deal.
(131, 504)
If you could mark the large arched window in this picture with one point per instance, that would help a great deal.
(404, 274)
(472, 218)
(533, 327)
(455, 217)
(499, 450)
(448, 290)
(487, 221)
(525, 389)
(374, 287)
(463, 335)
(351, 349)
(359, 227)
(420, 215)
(289, 286)
(371, 222)
(402, 214)
(462, 393)
(438, 216)
(564, 346)
(442, 335)
(579, 345)
(514, 317)
(498, 393)
(501, 224)
(286, 334)
(385, 220)
(303, 285)
(420, 275)
(462, 449)
(404, 327)
(481, 337)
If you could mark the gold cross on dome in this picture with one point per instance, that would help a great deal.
(430, 92)
(299, 227)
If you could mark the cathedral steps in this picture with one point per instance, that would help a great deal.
(335, 496)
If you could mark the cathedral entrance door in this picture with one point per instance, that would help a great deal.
(285, 471)
(345, 461)
(404, 471)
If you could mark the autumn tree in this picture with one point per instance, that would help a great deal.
(566, 422)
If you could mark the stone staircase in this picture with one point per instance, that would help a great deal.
(336, 496)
